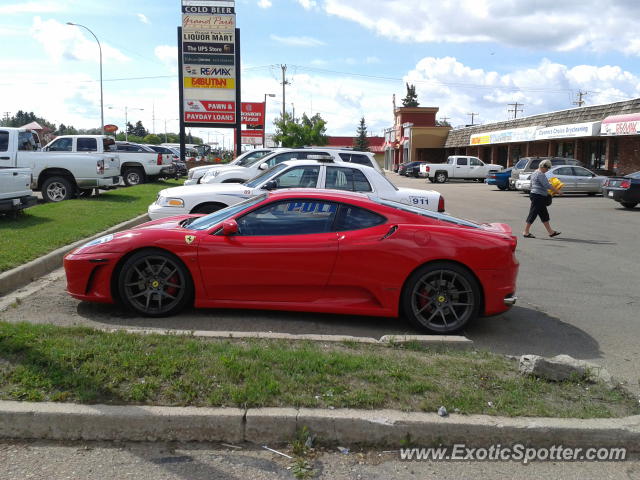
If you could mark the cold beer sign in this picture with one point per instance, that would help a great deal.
(208, 61)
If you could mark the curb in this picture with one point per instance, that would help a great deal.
(390, 428)
(25, 274)
(434, 341)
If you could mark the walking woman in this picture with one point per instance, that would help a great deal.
(539, 196)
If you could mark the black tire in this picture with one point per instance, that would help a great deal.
(133, 176)
(208, 208)
(431, 180)
(502, 187)
(155, 283)
(628, 204)
(440, 177)
(57, 189)
(441, 297)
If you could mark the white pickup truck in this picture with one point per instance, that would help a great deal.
(15, 190)
(59, 176)
(138, 163)
(458, 167)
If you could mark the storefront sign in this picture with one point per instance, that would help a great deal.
(208, 37)
(208, 9)
(621, 125)
(208, 106)
(211, 23)
(573, 130)
(504, 136)
(212, 71)
(203, 82)
(198, 47)
(252, 113)
(210, 117)
(208, 59)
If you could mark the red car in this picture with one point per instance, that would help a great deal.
(306, 250)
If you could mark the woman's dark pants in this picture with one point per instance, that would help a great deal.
(538, 208)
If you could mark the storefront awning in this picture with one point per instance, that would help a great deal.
(628, 124)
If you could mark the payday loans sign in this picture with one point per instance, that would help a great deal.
(208, 44)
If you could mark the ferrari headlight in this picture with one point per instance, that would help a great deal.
(170, 202)
(97, 241)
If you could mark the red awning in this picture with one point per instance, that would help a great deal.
(629, 117)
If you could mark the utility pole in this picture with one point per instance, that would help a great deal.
(515, 109)
(444, 119)
(580, 102)
(472, 115)
(284, 84)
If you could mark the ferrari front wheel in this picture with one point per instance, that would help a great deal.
(441, 298)
(155, 283)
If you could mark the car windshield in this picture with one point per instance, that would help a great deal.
(208, 221)
(426, 213)
(253, 161)
(521, 163)
(250, 158)
(265, 176)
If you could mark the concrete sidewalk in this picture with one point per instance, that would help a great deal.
(60, 421)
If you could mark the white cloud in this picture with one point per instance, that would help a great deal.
(143, 18)
(536, 24)
(298, 41)
(168, 55)
(458, 89)
(308, 4)
(68, 42)
(372, 60)
(264, 3)
(32, 7)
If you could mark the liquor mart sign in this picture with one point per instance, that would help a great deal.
(208, 61)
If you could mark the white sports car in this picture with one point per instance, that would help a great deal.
(208, 198)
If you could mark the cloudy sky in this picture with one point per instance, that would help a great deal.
(345, 58)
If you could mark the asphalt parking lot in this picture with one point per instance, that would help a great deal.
(578, 293)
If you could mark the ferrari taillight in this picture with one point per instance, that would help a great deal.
(625, 184)
(441, 204)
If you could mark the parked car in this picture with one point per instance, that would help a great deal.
(624, 190)
(306, 250)
(500, 179)
(575, 179)
(410, 169)
(65, 168)
(243, 160)
(15, 190)
(458, 167)
(529, 164)
(325, 173)
(141, 164)
(236, 174)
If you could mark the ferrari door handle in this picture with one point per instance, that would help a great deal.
(391, 231)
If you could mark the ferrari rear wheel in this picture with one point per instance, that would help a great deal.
(155, 283)
(441, 298)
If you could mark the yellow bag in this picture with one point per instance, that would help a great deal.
(556, 183)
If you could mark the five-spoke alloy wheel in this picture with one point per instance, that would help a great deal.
(155, 283)
(441, 297)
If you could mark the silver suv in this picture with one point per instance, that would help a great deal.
(529, 164)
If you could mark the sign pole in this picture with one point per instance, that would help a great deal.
(238, 97)
(181, 98)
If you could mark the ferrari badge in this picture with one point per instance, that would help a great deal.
(189, 239)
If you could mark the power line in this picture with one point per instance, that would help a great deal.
(580, 94)
(515, 108)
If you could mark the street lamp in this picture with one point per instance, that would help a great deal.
(100, 49)
(126, 123)
(264, 118)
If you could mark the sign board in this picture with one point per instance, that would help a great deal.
(588, 129)
(209, 70)
(504, 136)
(628, 124)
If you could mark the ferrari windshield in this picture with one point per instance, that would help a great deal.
(208, 221)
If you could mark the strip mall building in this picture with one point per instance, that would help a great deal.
(601, 136)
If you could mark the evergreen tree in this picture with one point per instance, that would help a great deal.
(139, 130)
(411, 100)
(361, 142)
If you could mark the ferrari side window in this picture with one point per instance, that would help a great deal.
(356, 218)
(289, 217)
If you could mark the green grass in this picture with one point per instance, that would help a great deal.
(48, 363)
(45, 227)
